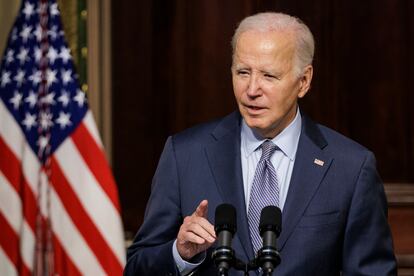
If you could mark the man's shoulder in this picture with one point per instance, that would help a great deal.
(331, 140)
(340, 144)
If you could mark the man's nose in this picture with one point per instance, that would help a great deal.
(254, 90)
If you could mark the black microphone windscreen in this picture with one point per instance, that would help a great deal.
(271, 219)
(225, 218)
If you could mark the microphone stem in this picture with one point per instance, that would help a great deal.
(222, 272)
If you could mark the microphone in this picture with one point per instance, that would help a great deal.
(270, 227)
(225, 227)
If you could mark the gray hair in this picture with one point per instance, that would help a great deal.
(272, 21)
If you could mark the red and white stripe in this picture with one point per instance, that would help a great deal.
(85, 212)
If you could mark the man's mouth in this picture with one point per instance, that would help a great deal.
(254, 109)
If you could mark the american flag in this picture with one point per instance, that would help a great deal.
(59, 209)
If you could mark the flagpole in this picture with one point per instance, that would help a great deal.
(44, 259)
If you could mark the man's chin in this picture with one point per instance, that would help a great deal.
(257, 125)
(254, 123)
(262, 129)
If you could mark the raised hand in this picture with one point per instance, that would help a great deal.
(196, 233)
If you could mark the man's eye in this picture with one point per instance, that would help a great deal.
(242, 72)
(272, 77)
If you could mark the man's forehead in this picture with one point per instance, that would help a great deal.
(264, 43)
(266, 40)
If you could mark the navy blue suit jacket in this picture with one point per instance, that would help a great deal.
(334, 218)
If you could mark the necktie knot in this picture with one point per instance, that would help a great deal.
(268, 148)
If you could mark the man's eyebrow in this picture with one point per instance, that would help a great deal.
(241, 67)
(270, 71)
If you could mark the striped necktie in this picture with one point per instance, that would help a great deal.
(264, 192)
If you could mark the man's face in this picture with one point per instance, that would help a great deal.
(264, 81)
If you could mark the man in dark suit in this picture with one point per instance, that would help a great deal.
(333, 201)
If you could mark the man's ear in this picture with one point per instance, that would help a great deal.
(305, 81)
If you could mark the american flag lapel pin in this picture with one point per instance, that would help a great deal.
(318, 162)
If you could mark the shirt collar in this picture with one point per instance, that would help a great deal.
(287, 141)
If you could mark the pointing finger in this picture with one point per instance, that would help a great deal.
(202, 209)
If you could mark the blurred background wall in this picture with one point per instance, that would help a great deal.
(156, 67)
(8, 12)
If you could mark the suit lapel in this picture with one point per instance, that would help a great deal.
(225, 163)
(311, 165)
